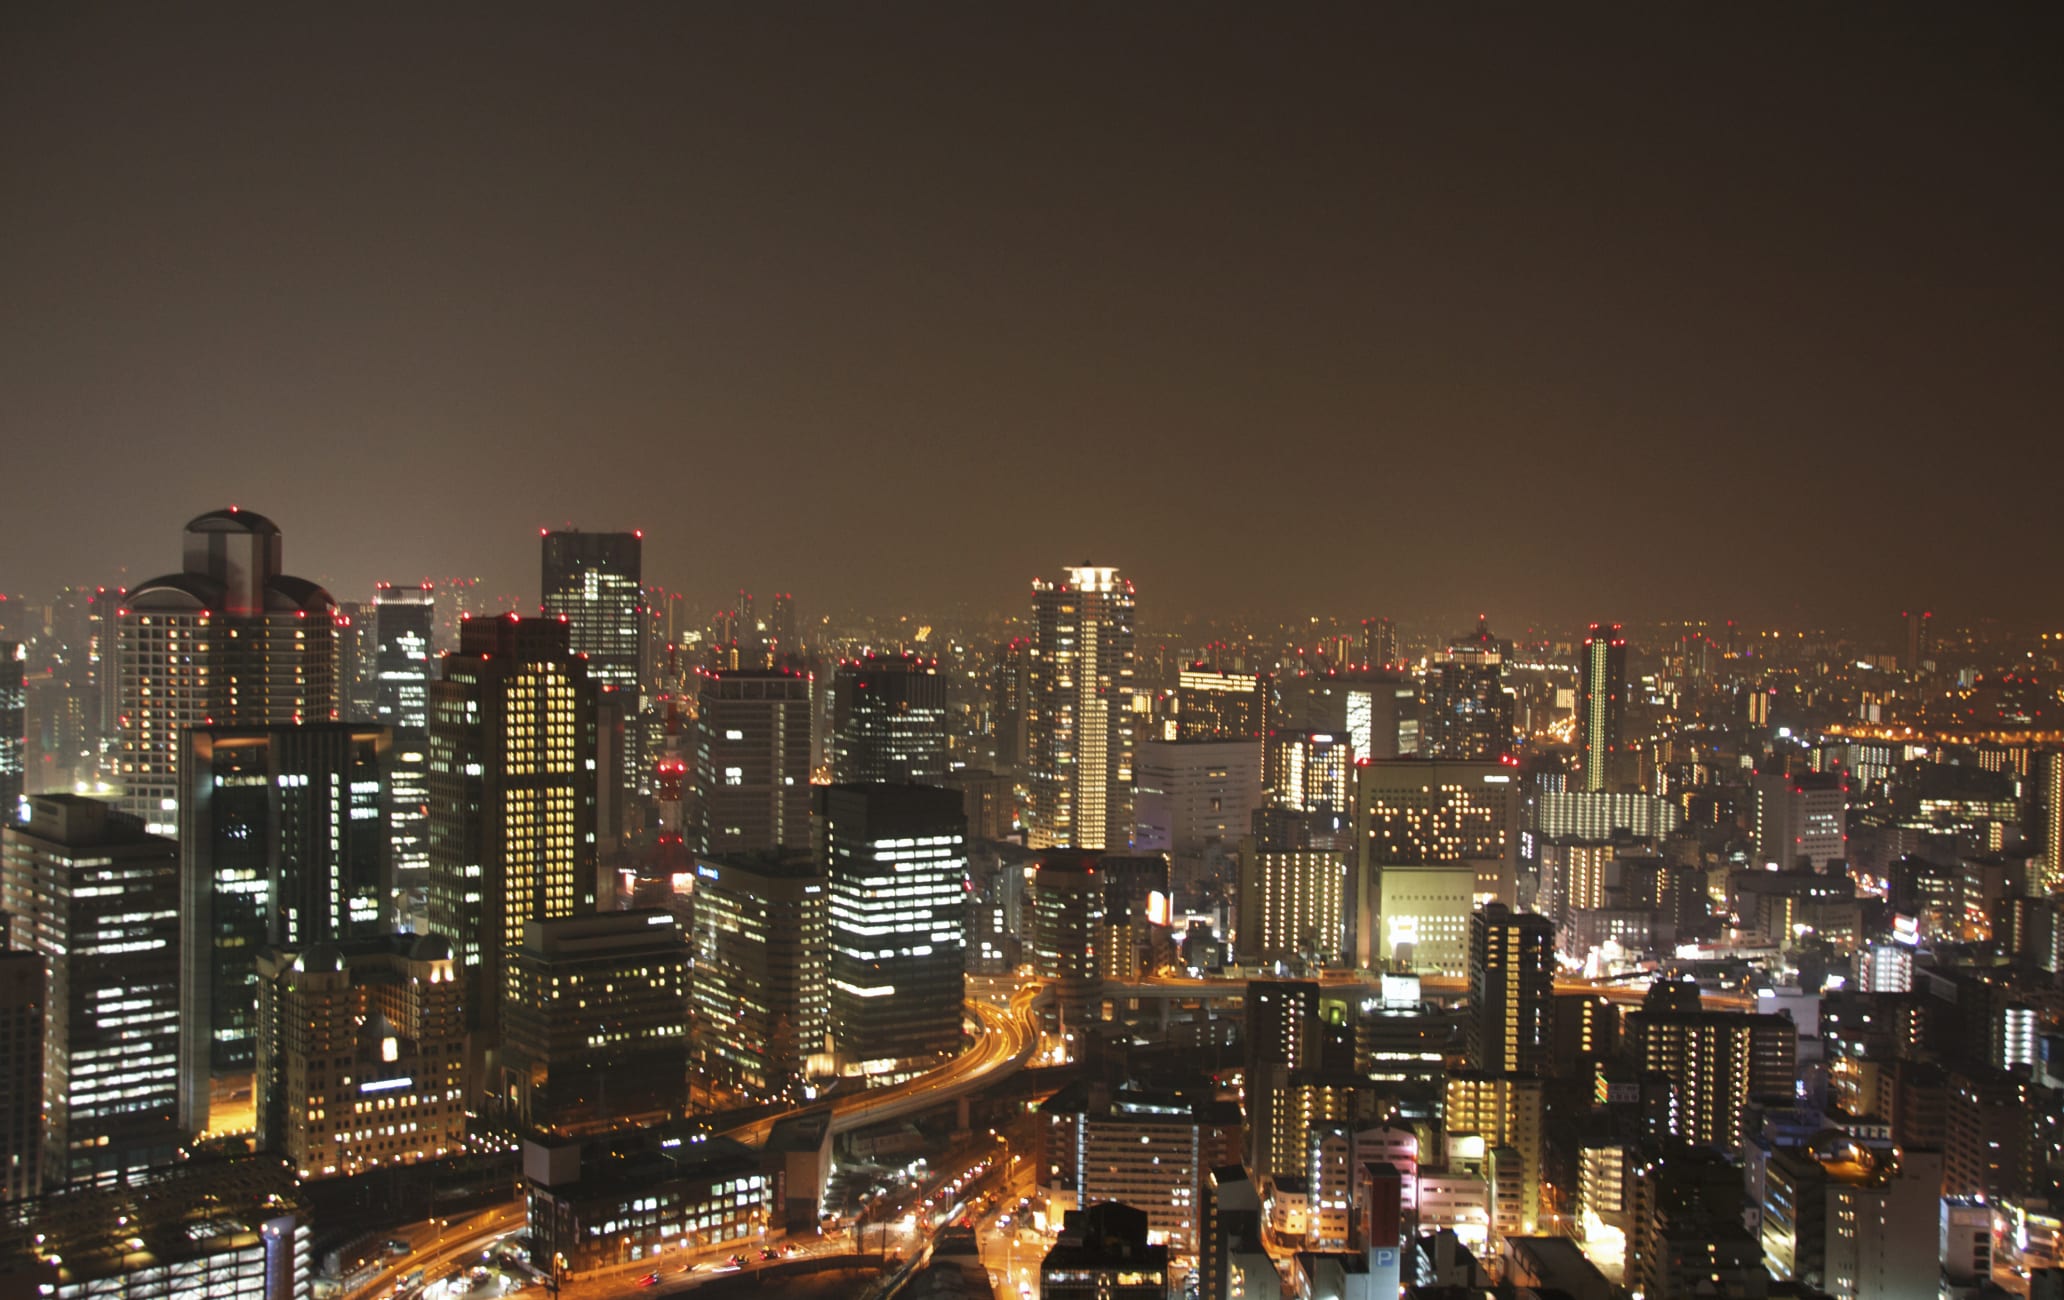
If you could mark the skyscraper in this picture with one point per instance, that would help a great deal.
(228, 641)
(1717, 1060)
(1213, 705)
(759, 951)
(512, 797)
(1511, 990)
(889, 721)
(1802, 817)
(358, 661)
(2051, 785)
(1066, 901)
(98, 897)
(752, 760)
(1312, 772)
(1379, 643)
(783, 641)
(598, 1030)
(1010, 705)
(1602, 707)
(406, 622)
(1468, 714)
(895, 868)
(1082, 732)
(280, 842)
(24, 991)
(14, 730)
(595, 582)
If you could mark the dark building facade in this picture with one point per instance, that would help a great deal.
(752, 761)
(1468, 714)
(595, 583)
(1511, 990)
(889, 721)
(281, 841)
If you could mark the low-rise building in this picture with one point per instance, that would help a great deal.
(223, 1229)
(635, 1194)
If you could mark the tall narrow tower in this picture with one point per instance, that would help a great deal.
(1602, 711)
(1080, 677)
(405, 619)
(1511, 986)
(512, 796)
(594, 582)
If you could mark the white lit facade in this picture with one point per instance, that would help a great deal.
(1082, 726)
(895, 868)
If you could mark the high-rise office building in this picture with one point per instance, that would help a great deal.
(597, 1032)
(1415, 812)
(24, 991)
(1379, 643)
(405, 621)
(1311, 772)
(1412, 810)
(1511, 990)
(14, 730)
(361, 1055)
(1802, 817)
(1066, 901)
(228, 641)
(1009, 704)
(1602, 708)
(1378, 711)
(1214, 705)
(1080, 673)
(512, 797)
(1190, 794)
(784, 641)
(97, 896)
(280, 842)
(595, 582)
(895, 869)
(1146, 1149)
(889, 721)
(752, 761)
(1468, 714)
(358, 661)
(759, 991)
(1418, 918)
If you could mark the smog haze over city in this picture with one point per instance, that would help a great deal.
(1749, 312)
(924, 651)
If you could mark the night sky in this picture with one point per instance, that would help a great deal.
(1563, 311)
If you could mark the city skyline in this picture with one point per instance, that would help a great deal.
(1768, 294)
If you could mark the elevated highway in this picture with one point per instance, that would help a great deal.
(1437, 988)
(1007, 1039)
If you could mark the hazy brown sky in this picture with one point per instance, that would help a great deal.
(1612, 310)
